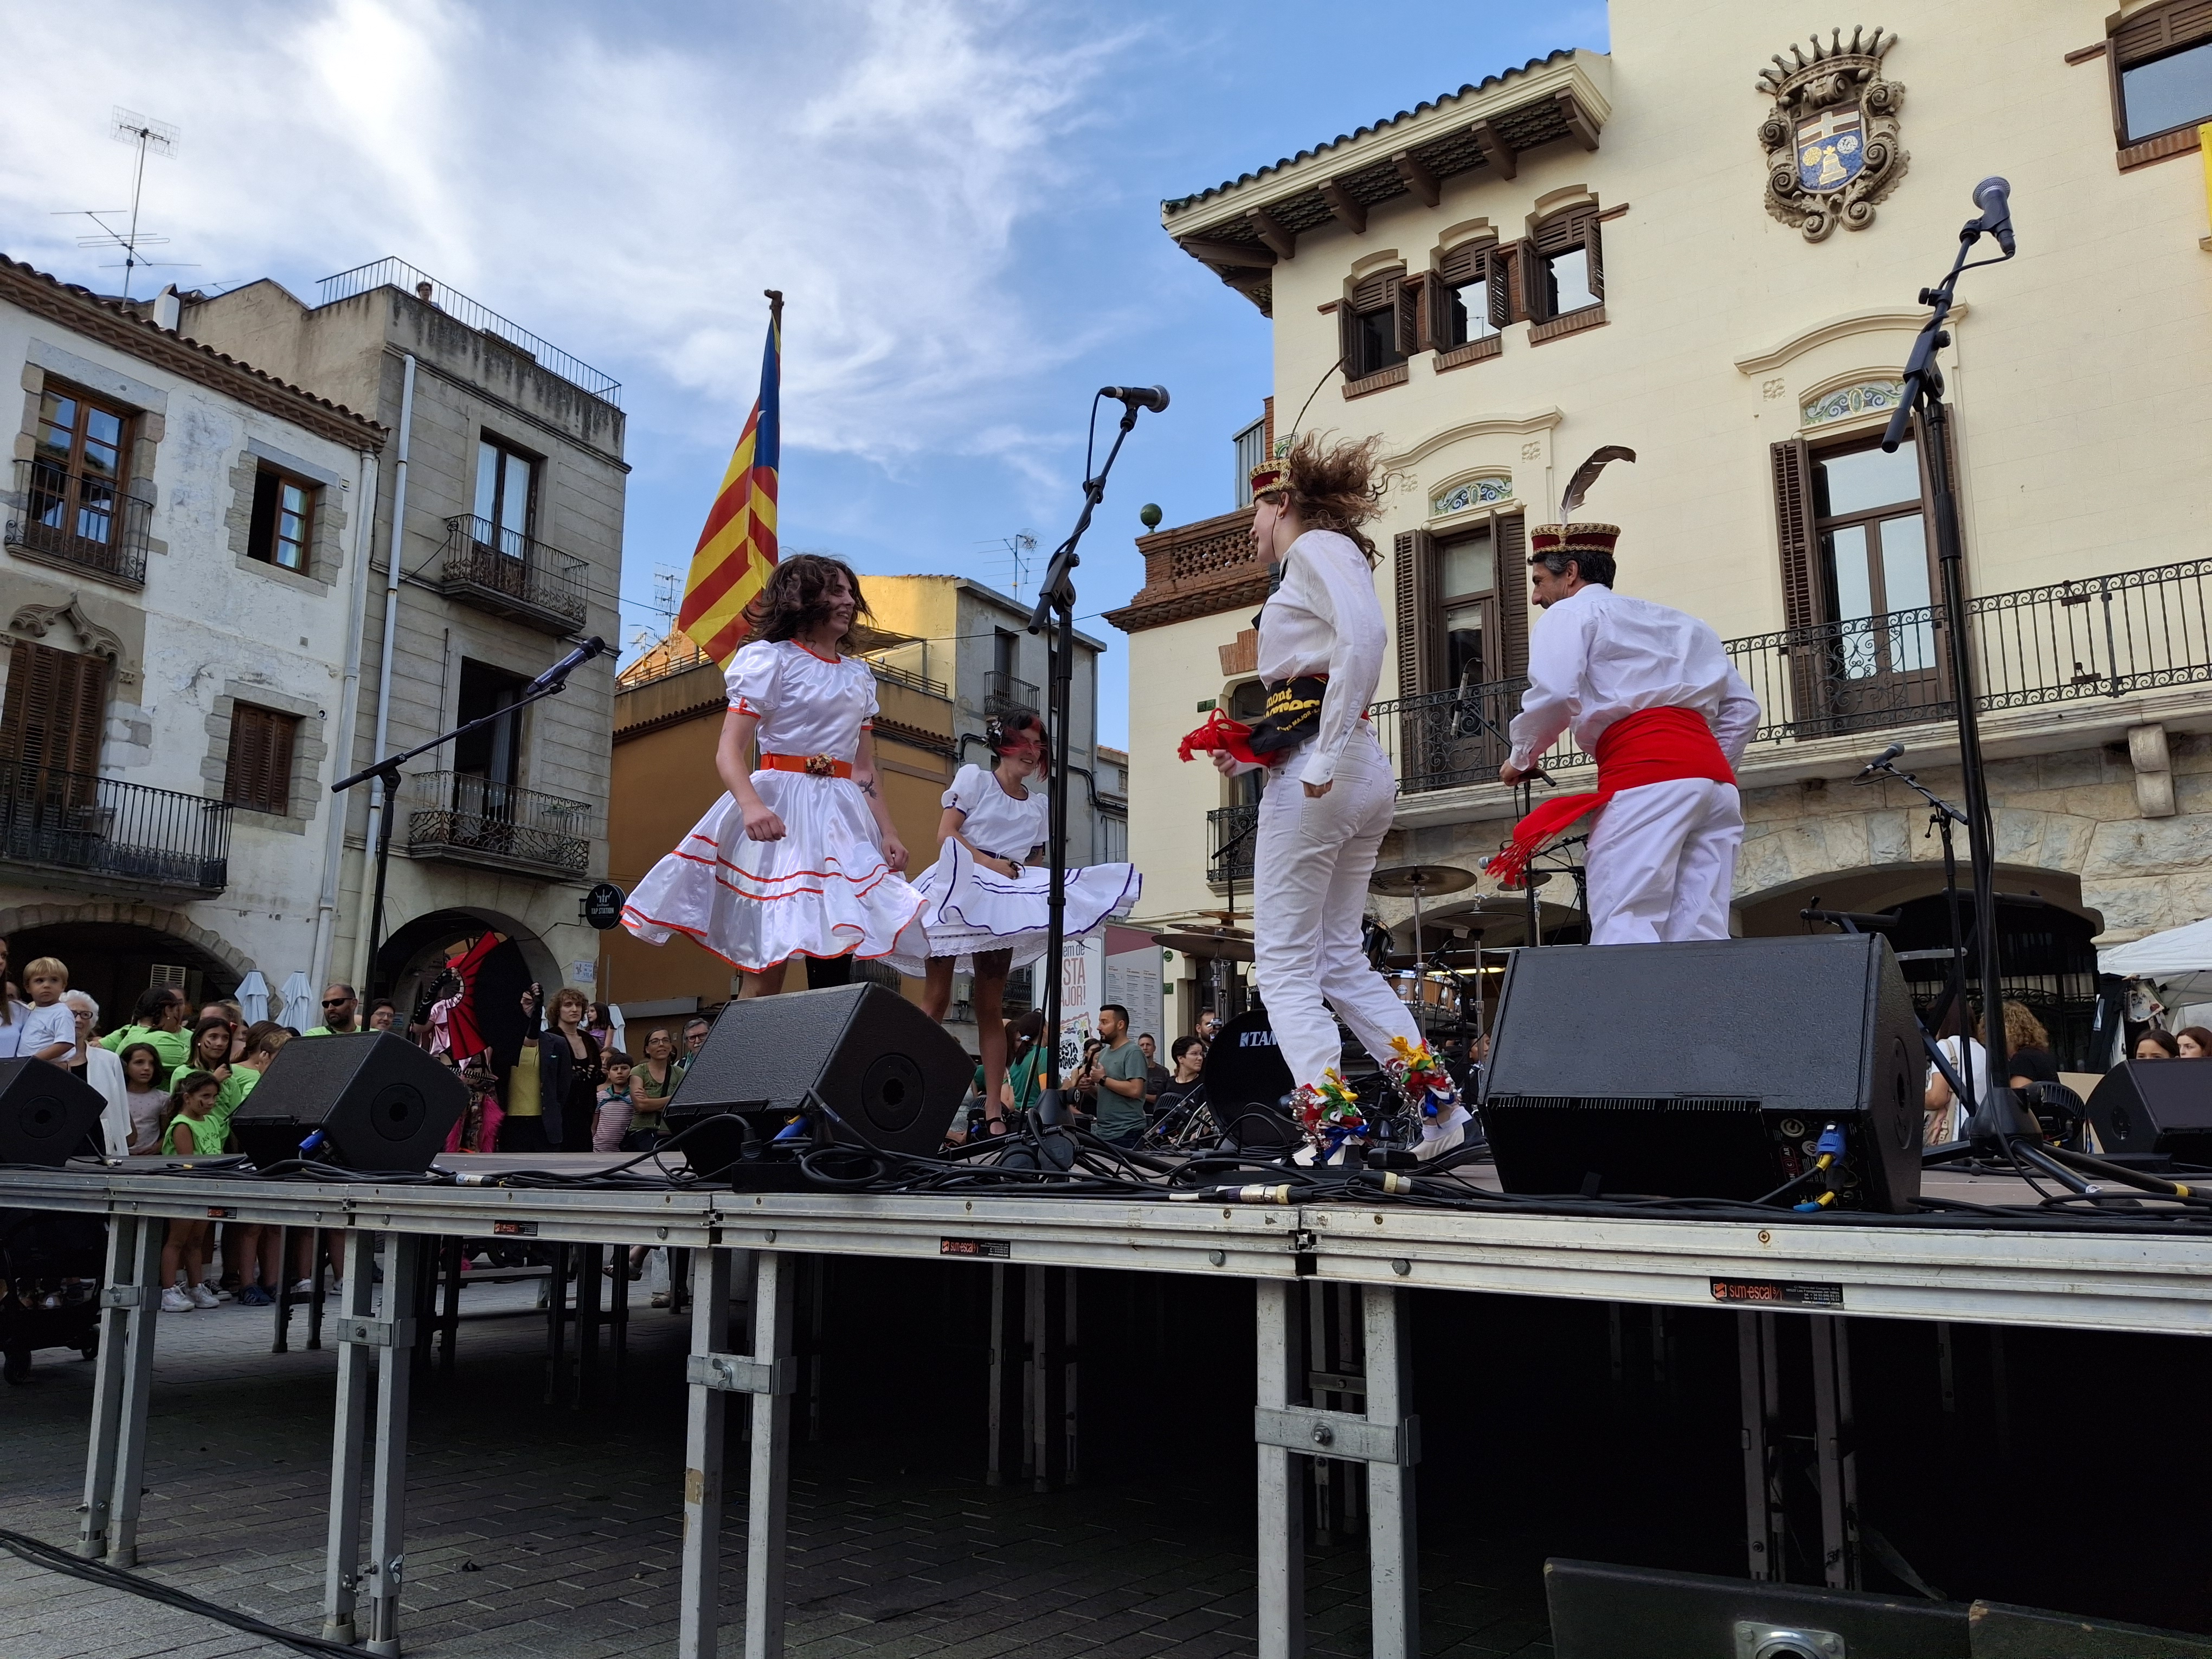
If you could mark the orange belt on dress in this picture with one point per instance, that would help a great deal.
(819, 766)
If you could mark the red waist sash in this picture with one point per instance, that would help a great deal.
(1652, 745)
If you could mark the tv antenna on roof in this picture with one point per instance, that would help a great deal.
(1021, 547)
(148, 138)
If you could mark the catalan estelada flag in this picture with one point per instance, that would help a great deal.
(737, 549)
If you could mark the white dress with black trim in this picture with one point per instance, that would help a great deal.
(968, 908)
(824, 889)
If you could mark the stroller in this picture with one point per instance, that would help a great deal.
(51, 1264)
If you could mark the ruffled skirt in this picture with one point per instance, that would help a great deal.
(967, 909)
(823, 891)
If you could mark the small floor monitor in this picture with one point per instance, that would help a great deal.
(47, 1115)
(380, 1102)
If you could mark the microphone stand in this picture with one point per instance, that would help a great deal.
(1055, 611)
(387, 770)
(1993, 1125)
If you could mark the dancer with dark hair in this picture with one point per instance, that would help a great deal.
(1329, 798)
(984, 903)
(798, 859)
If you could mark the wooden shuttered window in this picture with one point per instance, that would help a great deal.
(1470, 262)
(1419, 619)
(1803, 604)
(1577, 228)
(259, 774)
(1406, 314)
(2161, 29)
(1510, 537)
(1386, 292)
(1532, 284)
(55, 707)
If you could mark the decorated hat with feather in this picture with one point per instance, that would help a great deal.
(1568, 537)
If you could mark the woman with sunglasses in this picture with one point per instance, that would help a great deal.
(984, 905)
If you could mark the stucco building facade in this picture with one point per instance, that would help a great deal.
(1681, 247)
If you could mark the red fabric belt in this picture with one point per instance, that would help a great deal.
(1652, 745)
(820, 766)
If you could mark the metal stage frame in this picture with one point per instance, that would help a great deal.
(2084, 1280)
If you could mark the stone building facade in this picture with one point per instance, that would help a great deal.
(1711, 253)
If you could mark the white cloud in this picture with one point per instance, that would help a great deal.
(622, 181)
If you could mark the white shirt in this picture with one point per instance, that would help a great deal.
(1325, 619)
(807, 704)
(41, 1027)
(1597, 655)
(996, 823)
(104, 1071)
(1949, 1123)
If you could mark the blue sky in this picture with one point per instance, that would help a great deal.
(960, 202)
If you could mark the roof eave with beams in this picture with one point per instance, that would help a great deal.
(1242, 228)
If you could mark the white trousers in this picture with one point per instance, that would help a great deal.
(1662, 862)
(1310, 862)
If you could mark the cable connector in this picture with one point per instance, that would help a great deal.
(1830, 1144)
(1394, 1183)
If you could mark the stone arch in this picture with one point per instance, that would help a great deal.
(111, 950)
(230, 960)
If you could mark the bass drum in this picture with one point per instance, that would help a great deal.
(1247, 1085)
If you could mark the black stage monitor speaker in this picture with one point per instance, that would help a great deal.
(382, 1103)
(891, 1073)
(1706, 1069)
(1601, 1612)
(2155, 1106)
(1245, 1079)
(46, 1115)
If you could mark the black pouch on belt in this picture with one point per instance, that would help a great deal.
(1293, 714)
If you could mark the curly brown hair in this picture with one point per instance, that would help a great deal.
(797, 598)
(1338, 487)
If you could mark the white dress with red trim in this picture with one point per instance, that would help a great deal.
(968, 908)
(824, 889)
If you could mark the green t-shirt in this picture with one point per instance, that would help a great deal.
(174, 1048)
(1120, 1115)
(231, 1093)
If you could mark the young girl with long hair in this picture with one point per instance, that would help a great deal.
(984, 903)
(185, 1126)
(798, 859)
(1328, 797)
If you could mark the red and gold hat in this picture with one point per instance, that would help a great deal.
(1574, 538)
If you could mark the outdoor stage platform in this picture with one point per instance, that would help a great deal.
(2047, 1276)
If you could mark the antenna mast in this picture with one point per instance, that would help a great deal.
(148, 138)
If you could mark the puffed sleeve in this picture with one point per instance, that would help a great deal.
(752, 678)
(968, 785)
(871, 700)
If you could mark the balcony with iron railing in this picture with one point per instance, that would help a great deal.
(1002, 691)
(463, 818)
(77, 523)
(1231, 832)
(2094, 637)
(86, 830)
(511, 574)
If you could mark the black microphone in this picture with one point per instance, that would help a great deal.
(1879, 764)
(569, 664)
(1154, 397)
(1994, 197)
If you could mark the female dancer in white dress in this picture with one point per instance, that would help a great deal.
(1329, 798)
(800, 857)
(984, 903)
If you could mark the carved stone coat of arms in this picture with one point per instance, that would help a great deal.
(1833, 149)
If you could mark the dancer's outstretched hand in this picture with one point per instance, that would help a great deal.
(761, 824)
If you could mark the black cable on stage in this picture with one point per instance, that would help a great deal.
(38, 1553)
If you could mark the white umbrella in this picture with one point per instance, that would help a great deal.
(2178, 961)
(299, 1011)
(253, 997)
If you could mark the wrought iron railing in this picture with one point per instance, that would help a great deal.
(504, 565)
(890, 674)
(1231, 832)
(112, 831)
(1002, 691)
(474, 818)
(398, 273)
(2095, 637)
(86, 522)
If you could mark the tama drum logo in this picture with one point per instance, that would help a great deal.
(1255, 1039)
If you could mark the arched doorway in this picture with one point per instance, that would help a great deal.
(116, 961)
(410, 963)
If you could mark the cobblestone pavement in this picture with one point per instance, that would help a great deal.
(539, 1530)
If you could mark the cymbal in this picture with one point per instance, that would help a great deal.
(1420, 880)
(1234, 946)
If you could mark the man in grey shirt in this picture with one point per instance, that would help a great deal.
(1117, 1072)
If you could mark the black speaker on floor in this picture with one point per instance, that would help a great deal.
(47, 1115)
(1706, 1069)
(1604, 1611)
(380, 1102)
(2162, 1106)
(1246, 1080)
(891, 1073)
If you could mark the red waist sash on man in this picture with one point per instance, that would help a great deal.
(1652, 745)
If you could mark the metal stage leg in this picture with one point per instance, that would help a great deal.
(129, 1298)
(318, 1251)
(138, 1390)
(341, 1554)
(557, 1319)
(1834, 1456)
(283, 1342)
(1282, 1576)
(1002, 1343)
(449, 1313)
(618, 1315)
(590, 1258)
(1039, 1416)
(701, 1605)
(1393, 1551)
(768, 1488)
(388, 1522)
(1758, 1368)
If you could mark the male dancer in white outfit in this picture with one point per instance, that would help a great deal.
(1329, 799)
(1650, 693)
